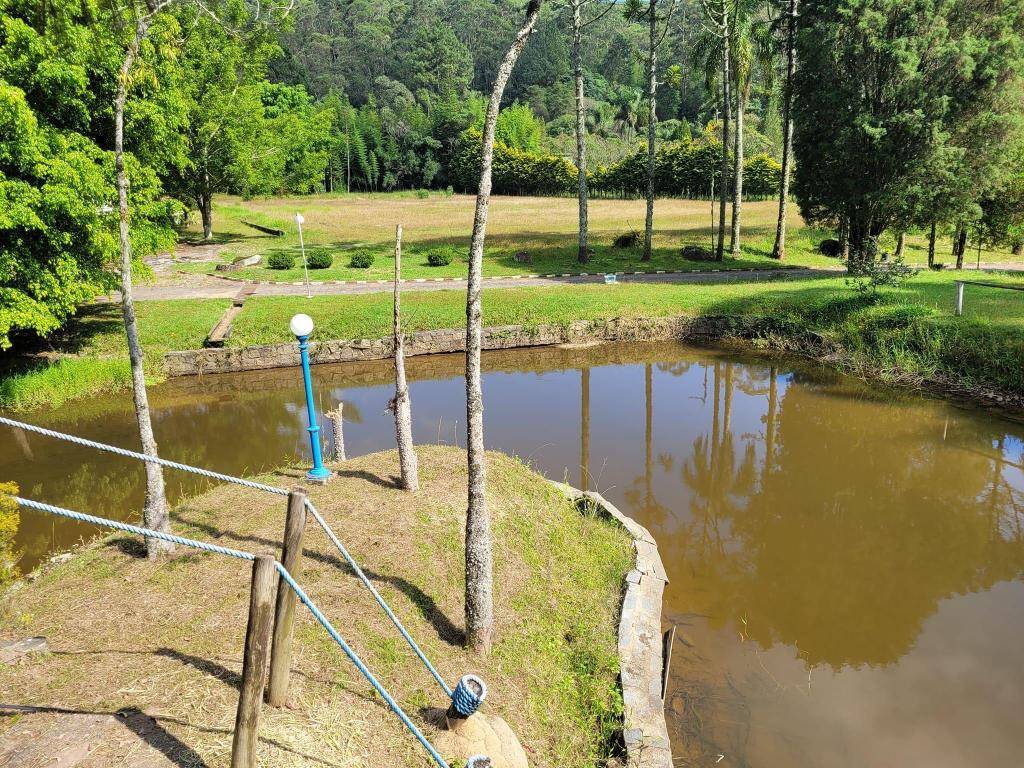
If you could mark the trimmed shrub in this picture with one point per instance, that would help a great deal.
(441, 257)
(627, 240)
(319, 258)
(281, 260)
(831, 248)
(361, 260)
(422, 194)
(697, 253)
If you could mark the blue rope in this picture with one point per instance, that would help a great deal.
(300, 593)
(466, 700)
(148, 533)
(328, 531)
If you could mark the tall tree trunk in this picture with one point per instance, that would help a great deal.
(960, 245)
(779, 249)
(402, 404)
(931, 244)
(652, 121)
(901, 245)
(583, 255)
(742, 93)
(479, 563)
(155, 513)
(726, 108)
(844, 237)
(206, 208)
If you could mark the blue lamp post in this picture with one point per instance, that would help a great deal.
(302, 327)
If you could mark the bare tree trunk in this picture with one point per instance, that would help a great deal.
(779, 250)
(931, 245)
(402, 404)
(844, 238)
(337, 417)
(652, 121)
(726, 107)
(742, 93)
(479, 561)
(901, 245)
(583, 255)
(155, 513)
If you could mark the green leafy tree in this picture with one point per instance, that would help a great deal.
(929, 66)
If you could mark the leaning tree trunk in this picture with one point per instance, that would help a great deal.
(402, 404)
(479, 564)
(742, 93)
(155, 513)
(583, 255)
(726, 107)
(652, 120)
(779, 250)
(931, 245)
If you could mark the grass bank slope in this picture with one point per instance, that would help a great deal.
(905, 335)
(166, 638)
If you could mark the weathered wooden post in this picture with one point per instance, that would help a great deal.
(336, 416)
(284, 613)
(254, 664)
(959, 297)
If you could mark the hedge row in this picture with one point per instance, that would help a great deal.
(682, 169)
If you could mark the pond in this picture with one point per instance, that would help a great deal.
(845, 560)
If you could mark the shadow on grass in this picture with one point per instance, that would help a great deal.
(424, 603)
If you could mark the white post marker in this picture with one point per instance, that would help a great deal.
(611, 279)
(299, 219)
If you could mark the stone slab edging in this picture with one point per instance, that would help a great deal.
(530, 276)
(645, 730)
(231, 360)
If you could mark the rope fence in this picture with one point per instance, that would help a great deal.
(283, 573)
(328, 531)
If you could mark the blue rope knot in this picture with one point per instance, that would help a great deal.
(478, 761)
(468, 695)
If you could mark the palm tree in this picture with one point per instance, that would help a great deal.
(779, 249)
(576, 8)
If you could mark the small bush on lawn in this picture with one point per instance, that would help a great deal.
(361, 260)
(281, 260)
(319, 258)
(831, 248)
(422, 194)
(627, 240)
(441, 257)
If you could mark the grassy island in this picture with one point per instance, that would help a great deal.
(161, 642)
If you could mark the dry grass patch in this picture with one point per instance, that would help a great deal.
(166, 638)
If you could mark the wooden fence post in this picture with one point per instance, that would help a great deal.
(284, 615)
(254, 664)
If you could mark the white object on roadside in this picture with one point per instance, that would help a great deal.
(611, 279)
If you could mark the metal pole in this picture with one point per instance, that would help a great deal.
(959, 298)
(302, 246)
(319, 473)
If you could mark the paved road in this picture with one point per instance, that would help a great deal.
(207, 287)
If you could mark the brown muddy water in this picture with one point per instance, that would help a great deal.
(845, 561)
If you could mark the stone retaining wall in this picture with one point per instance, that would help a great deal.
(645, 731)
(227, 360)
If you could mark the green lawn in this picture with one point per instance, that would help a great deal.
(93, 352)
(542, 227)
(907, 333)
